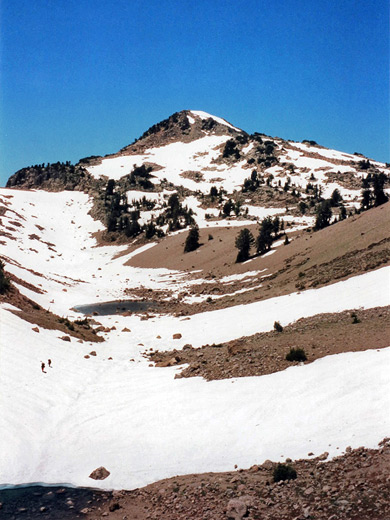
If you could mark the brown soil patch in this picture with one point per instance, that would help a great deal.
(331, 160)
(194, 175)
(353, 486)
(265, 353)
(312, 259)
(33, 313)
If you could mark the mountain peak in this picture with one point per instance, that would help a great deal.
(205, 116)
(184, 126)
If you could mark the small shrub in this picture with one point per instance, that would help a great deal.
(354, 317)
(296, 354)
(83, 323)
(68, 324)
(4, 280)
(278, 327)
(284, 472)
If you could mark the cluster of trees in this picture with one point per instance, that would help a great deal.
(231, 147)
(176, 215)
(229, 206)
(324, 211)
(56, 176)
(253, 182)
(373, 193)
(265, 153)
(140, 177)
(269, 230)
(231, 150)
(124, 218)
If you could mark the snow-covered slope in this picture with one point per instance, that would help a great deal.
(116, 409)
(143, 425)
(202, 154)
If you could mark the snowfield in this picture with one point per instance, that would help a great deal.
(137, 420)
(115, 408)
(143, 425)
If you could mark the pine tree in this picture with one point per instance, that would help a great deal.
(264, 239)
(192, 240)
(378, 182)
(336, 198)
(366, 199)
(324, 214)
(243, 243)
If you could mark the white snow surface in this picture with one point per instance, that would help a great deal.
(137, 420)
(143, 425)
(205, 115)
(174, 158)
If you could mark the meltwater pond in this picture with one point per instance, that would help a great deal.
(116, 307)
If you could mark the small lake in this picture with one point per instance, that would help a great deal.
(116, 307)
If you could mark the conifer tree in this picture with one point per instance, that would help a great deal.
(192, 240)
(243, 243)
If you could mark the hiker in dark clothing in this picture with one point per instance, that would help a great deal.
(43, 368)
(49, 363)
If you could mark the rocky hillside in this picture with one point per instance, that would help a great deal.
(218, 172)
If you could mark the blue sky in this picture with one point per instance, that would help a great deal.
(86, 77)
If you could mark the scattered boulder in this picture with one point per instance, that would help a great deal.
(236, 509)
(35, 329)
(177, 336)
(323, 456)
(169, 363)
(65, 338)
(268, 464)
(93, 353)
(87, 356)
(99, 473)
(114, 506)
(126, 330)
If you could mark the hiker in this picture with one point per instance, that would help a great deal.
(49, 363)
(43, 367)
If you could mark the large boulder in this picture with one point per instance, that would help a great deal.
(99, 473)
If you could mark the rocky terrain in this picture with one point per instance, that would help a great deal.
(353, 486)
(265, 353)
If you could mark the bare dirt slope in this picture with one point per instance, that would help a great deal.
(312, 259)
(265, 353)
